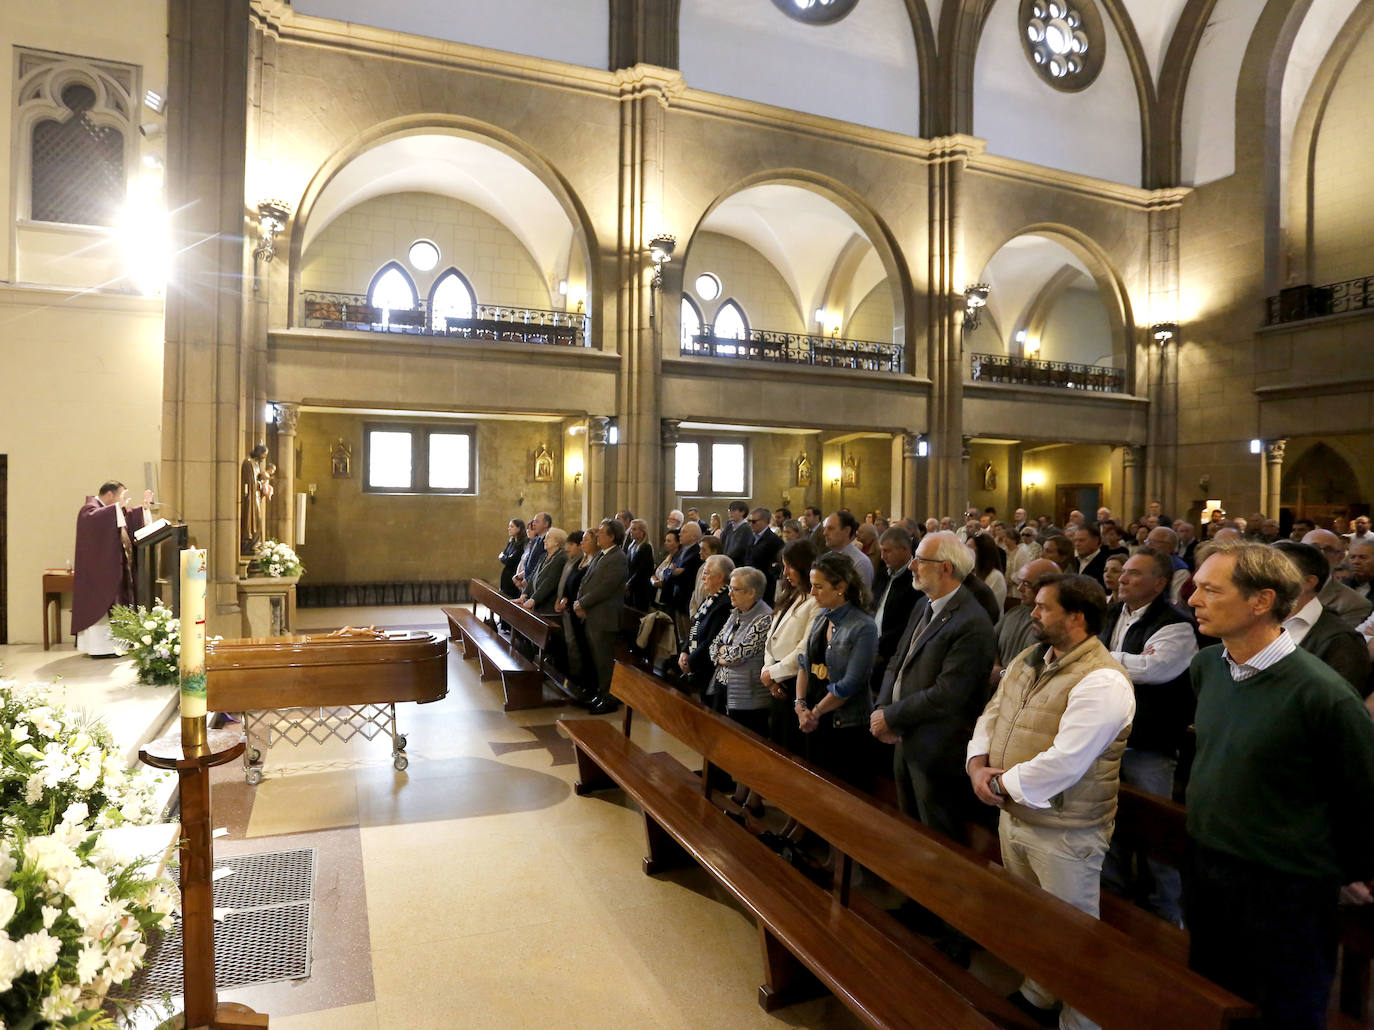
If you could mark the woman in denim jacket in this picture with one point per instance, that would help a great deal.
(833, 699)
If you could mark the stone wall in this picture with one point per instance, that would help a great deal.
(357, 537)
(872, 319)
(1342, 188)
(748, 278)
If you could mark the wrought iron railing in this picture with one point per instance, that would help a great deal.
(796, 349)
(1297, 303)
(1003, 368)
(489, 321)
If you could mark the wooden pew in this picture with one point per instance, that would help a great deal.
(1110, 977)
(809, 940)
(523, 680)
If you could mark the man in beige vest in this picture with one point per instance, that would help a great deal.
(1047, 752)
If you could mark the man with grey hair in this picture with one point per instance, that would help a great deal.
(675, 518)
(1164, 540)
(1362, 568)
(762, 550)
(1349, 606)
(935, 688)
(534, 554)
(1279, 798)
(541, 589)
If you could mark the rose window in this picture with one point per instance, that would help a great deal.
(1063, 39)
(816, 12)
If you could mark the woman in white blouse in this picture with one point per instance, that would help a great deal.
(985, 567)
(792, 617)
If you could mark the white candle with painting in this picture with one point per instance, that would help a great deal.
(192, 663)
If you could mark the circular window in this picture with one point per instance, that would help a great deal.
(423, 255)
(1063, 40)
(816, 12)
(707, 286)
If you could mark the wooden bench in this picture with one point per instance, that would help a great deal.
(523, 679)
(1112, 978)
(809, 940)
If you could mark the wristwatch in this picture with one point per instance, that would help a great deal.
(995, 785)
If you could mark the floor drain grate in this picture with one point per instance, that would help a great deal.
(264, 938)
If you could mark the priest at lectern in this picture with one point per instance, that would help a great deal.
(104, 565)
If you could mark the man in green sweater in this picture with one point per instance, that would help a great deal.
(1281, 800)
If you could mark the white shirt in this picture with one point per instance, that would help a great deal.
(861, 562)
(1366, 628)
(1100, 706)
(1281, 648)
(1167, 654)
(1300, 623)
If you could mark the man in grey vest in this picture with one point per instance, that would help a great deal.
(1047, 750)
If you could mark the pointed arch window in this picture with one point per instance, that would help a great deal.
(730, 324)
(451, 297)
(392, 289)
(691, 325)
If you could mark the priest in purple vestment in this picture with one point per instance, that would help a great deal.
(104, 565)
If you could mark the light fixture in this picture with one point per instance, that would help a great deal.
(820, 316)
(272, 216)
(1020, 336)
(562, 287)
(574, 466)
(1256, 446)
(1164, 331)
(922, 446)
(661, 249)
(151, 130)
(975, 299)
(612, 433)
(154, 101)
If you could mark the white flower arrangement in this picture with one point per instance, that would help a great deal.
(153, 638)
(276, 559)
(74, 917)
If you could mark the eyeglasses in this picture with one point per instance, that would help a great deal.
(934, 561)
(737, 590)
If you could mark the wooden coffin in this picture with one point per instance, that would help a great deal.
(258, 674)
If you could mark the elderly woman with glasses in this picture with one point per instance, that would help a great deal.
(737, 651)
(695, 660)
(1026, 552)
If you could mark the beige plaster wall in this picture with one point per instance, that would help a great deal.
(1077, 330)
(352, 248)
(748, 278)
(773, 463)
(357, 537)
(999, 457)
(872, 319)
(1079, 463)
(874, 492)
(1342, 188)
(80, 403)
(138, 36)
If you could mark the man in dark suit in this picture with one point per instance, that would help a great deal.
(524, 572)
(682, 577)
(762, 550)
(1319, 630)
(1087, 545)
(934, 689)
(600, 604)
(735, 534)
(814, 523)
(896, 595)
(639, 553)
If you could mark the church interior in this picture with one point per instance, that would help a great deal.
(459, 263)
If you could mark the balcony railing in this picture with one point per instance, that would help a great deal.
(1297, 303)
(797, 349)
(489, 321)
(1003, 368)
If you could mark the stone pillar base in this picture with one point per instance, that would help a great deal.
(268, 605)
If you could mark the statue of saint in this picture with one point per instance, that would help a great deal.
(255, 490)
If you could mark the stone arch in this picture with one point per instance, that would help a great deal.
(856, 207)
(1126, 336)
(1330, 463)
(466, 128)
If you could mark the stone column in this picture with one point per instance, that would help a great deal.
(287, 416)
(1131, 505)
(205, 417)
(963, 497)
(669, 431)
(1157, 364)
(1273, 454)
(911, 472)
(594, 481)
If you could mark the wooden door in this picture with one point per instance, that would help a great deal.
(1086, 497)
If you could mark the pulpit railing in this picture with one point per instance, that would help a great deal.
(502, 322)
(1004, 368)
(1297, 303)
(796, 349)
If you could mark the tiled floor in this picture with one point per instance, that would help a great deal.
(474, 889)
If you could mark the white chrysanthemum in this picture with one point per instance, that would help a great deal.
(90, 891)
(147, 638)
(33, 789)
(77, 812)
(8, 904)
(38, 951)
(89, 962)
(9, 962)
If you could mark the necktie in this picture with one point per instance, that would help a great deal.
(911, 651)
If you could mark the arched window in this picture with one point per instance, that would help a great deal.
(730, 324)
(451, 297)
(392, 289)
(691, 325)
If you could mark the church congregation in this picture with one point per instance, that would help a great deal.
(899, 473)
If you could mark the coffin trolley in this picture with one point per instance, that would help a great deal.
(320, 687)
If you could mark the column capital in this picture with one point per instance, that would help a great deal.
(669, 431)
(1274, 449)
(1128, 457)
(911, 443)
(964, 453)
(596, 430)
(287, 415)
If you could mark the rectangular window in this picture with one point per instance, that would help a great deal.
(420, 459)
(713, 467)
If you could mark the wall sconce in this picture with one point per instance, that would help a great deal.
(272, 218)
(661, 249)
(922, 446)
(574, 466)
(312, 488)
(1164, 332)
(1256, 446)
(1032, 480)
(975, 299)
(612, 432)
